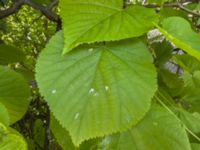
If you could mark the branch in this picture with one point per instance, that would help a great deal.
(13, 9)
(175, 5)
(188, 10)
(46, 11)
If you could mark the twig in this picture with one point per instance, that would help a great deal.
(175, 5)
(188, 10)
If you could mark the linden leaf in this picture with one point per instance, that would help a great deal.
(97, 89)
(14, 93)
(99, 20)
(159, 130)
(179, 31)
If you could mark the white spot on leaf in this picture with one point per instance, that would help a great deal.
(92, 90)
(90, 50)
(53, 91)
(76, 116)
(107, 88)
(96, 94)
(105, 142)
(155, 123)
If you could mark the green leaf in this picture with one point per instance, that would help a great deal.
(39, 132)
(190, 93)
(191, 120)
(4, 116)
(14, 93)
(187, 62)
(156, 1)
(166, 12)
(159, 130)
(10, 140)
(163, 52)
(99, 20)
(97, 89)
(195, 146)
(10, 54)
(184, 37)
(171, 82)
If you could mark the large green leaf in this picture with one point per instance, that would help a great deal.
(179, 31)
(101, 20)
(11, 140)
(10, 54)
(97, 89)
(14, 93)
(159, 130)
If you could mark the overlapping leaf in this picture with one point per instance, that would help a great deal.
(97, 89)
(179, 31)
(100, 20)
(187, 62)
(11, 140)
(159, 130)
(191, 120)
(14, 93)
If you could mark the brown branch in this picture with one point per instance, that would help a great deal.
(13, 9)
(45, 10)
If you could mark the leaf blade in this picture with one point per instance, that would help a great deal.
(96, 84)
(155, 131)
(14, 93)
(99, 20)
(184, 37)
